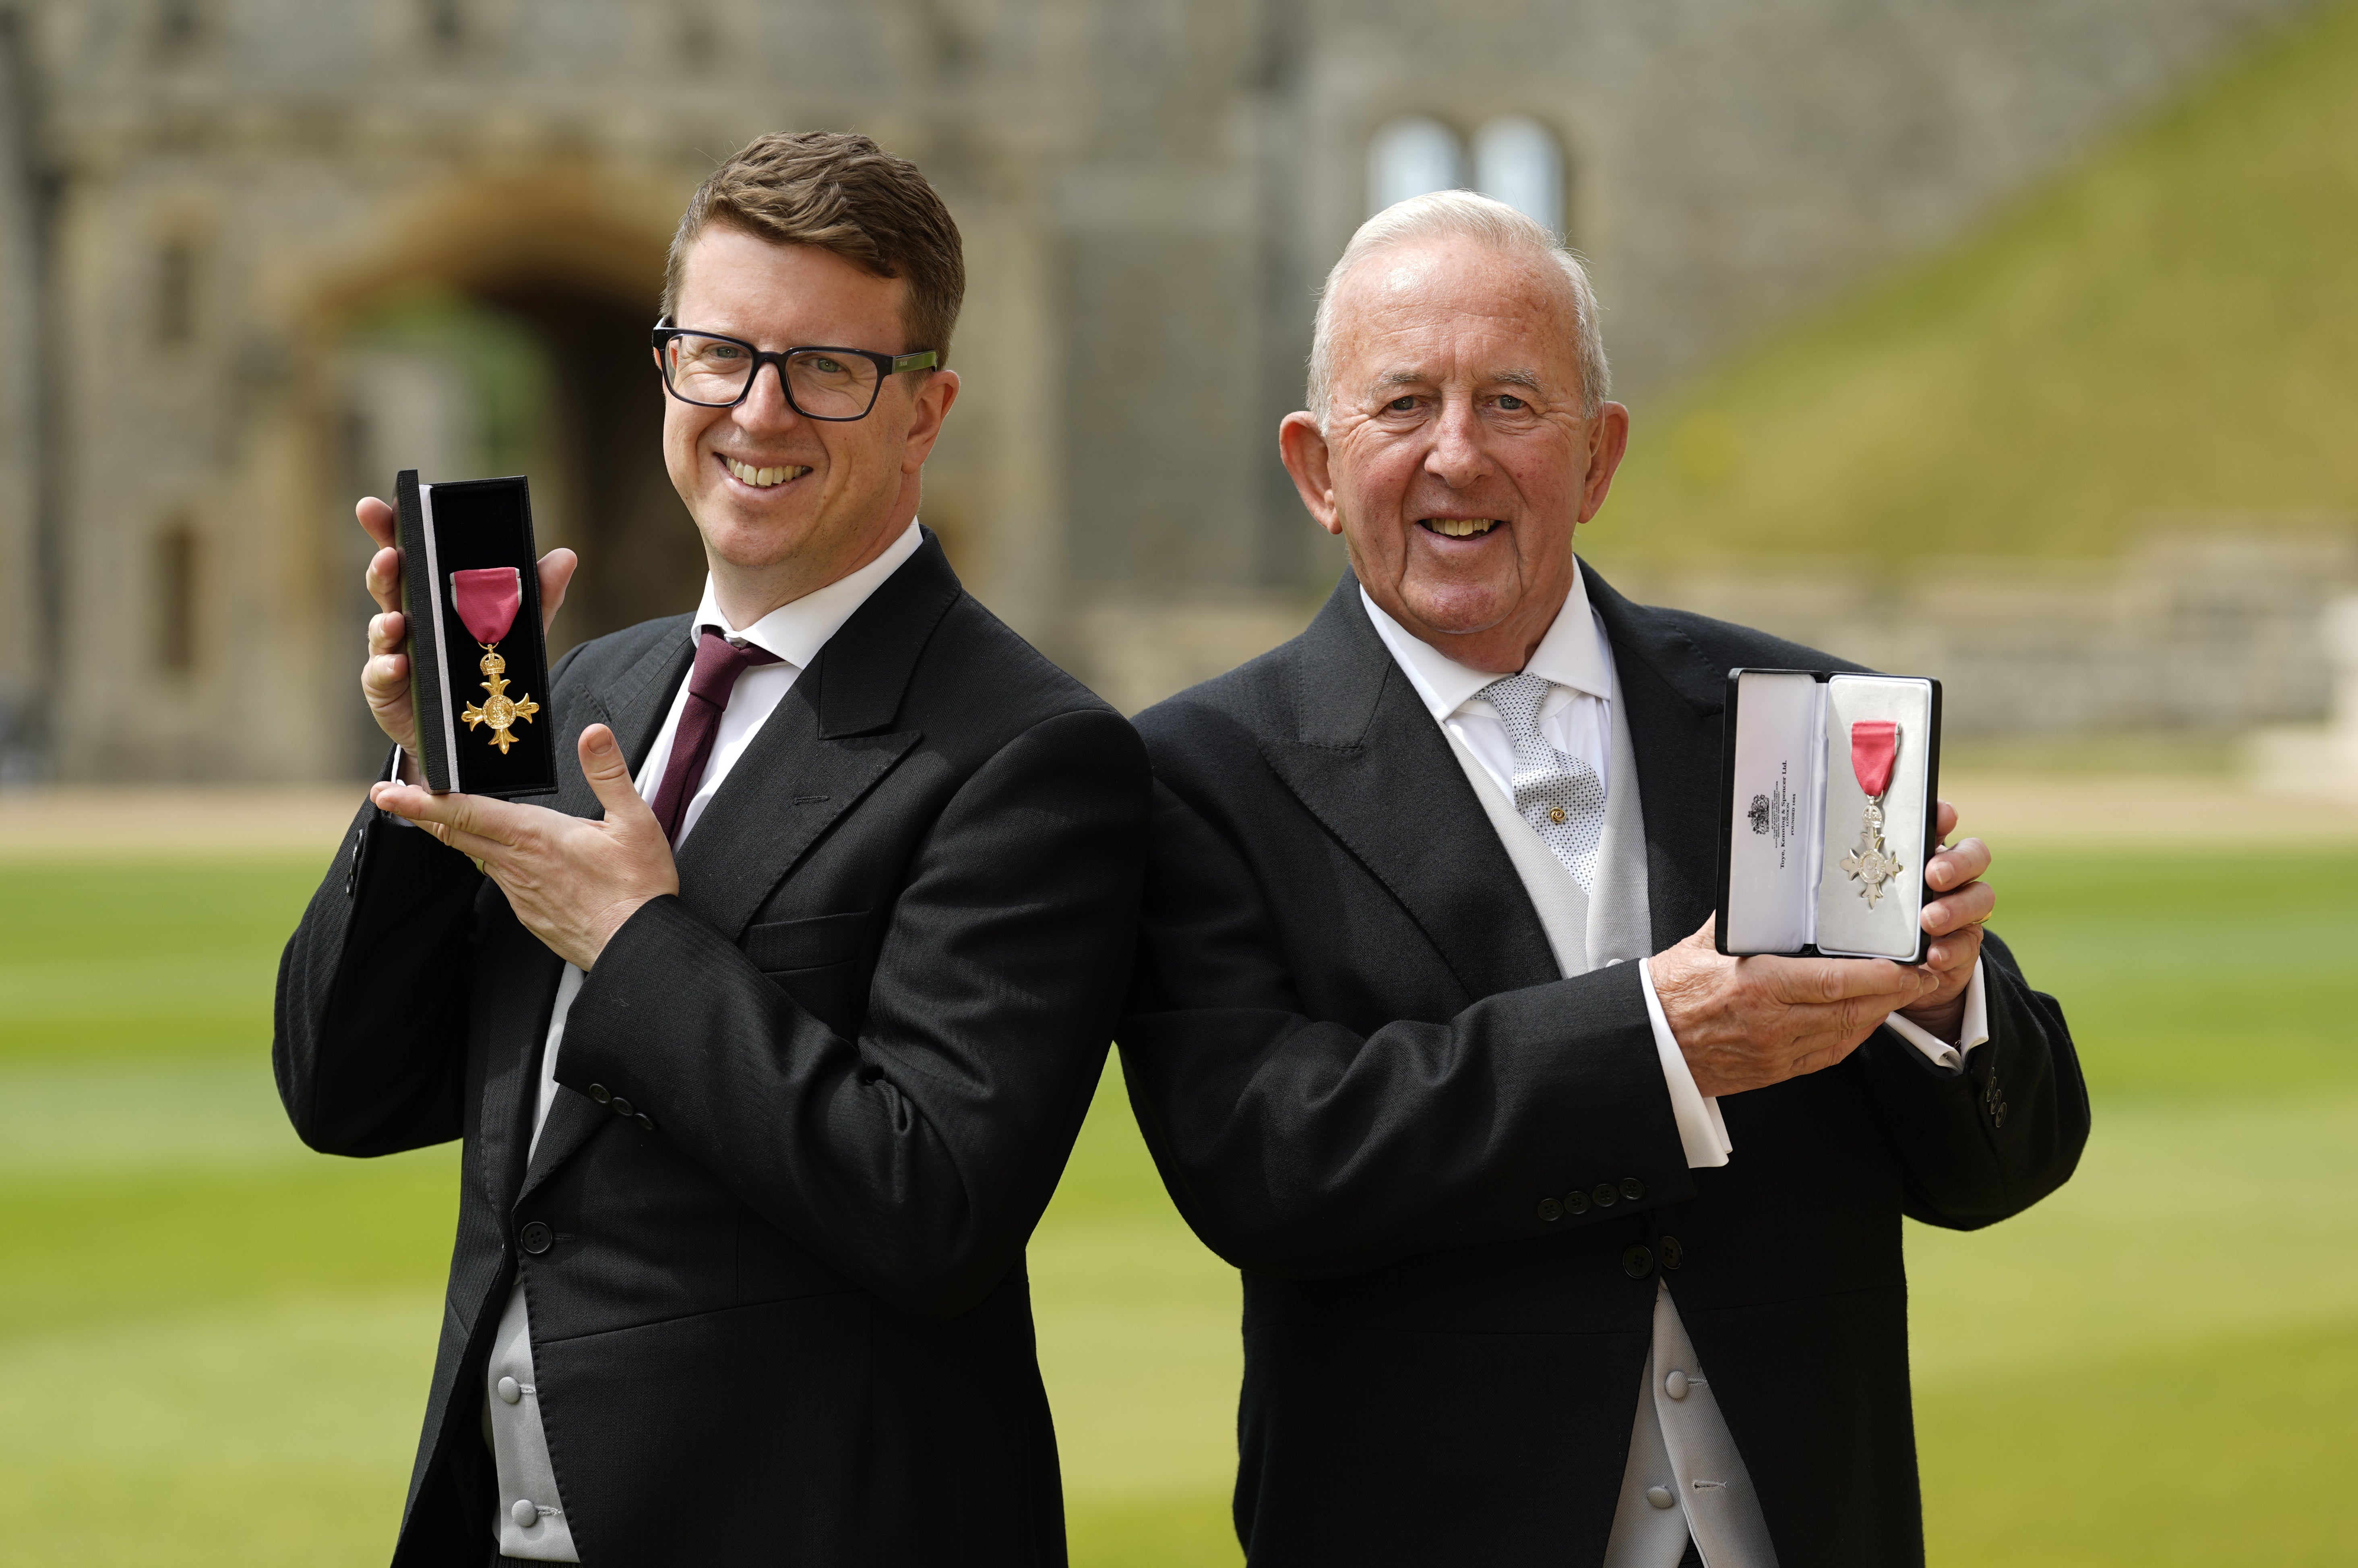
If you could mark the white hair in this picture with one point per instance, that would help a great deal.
(1464, 215)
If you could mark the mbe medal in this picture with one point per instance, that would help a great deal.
(487, 599)
(1873, 748)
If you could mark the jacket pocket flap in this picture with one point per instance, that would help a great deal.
(805, 943)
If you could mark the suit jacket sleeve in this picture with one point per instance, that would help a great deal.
(1301, 1146)
(370, 1043)
(1978, 1146)
(916, 1158)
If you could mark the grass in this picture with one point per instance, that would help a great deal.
(213, 1344)
(2163, 329)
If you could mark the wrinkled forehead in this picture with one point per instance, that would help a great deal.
(1454, 309)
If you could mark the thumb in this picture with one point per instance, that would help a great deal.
(610, 780)
(556, 577)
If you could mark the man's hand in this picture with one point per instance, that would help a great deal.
(384, 679)
(1953, 921)
(1745, 1023)
(571, 881)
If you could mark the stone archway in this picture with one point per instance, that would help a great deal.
(553, 279)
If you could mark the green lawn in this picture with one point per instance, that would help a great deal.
(213, 1344)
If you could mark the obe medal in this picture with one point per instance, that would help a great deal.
(1873, 748)
(487, 599)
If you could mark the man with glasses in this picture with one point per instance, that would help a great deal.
(768, 1041)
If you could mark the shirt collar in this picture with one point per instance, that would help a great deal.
(1573, 653)
(796, 631)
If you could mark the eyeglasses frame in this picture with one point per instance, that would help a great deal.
(887, 366)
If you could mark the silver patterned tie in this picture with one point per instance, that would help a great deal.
(1559, 795)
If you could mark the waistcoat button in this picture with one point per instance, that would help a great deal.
(510, 1390)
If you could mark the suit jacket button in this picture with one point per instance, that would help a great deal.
(1660, 1497)
(1671, 1252)
(1632, 1188)
(1551, 1210)
(536, 1236)
(600, 1093)
(1606, 1194)
(643, 1119)
(1638, 1262)
(621, 1106)
(1575, 1201)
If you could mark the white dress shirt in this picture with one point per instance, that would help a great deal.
(795, 632)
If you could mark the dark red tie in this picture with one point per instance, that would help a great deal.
(719, 663)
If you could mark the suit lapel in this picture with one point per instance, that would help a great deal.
(827, 745)
(1674, 697)
(1369, 761)
(634, 707)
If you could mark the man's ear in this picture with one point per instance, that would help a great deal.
(1302, 445)
(1608, 439)
(932, 405)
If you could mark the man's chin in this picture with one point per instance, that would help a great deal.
(1452, 611)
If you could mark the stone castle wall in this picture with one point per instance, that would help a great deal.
(199, 198)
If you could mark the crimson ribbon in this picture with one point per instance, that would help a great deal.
(487, 598)
(1873, 747)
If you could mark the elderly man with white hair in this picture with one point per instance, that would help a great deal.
(1565, 1238)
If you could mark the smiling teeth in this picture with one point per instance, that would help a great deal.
(761, 478)
(1461, 527)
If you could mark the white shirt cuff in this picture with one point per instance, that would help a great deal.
(1701, 1134)
(1973, 1032)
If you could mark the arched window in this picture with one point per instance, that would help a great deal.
(1409, 156)
(1517, 161)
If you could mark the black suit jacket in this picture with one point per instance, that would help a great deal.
(779, 1309)
(1367, 1086)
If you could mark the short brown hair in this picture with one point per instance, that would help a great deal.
(842, 193)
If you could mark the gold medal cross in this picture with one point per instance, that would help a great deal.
(1869, 864)
(499, 710)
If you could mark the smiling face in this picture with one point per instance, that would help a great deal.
(1454, 459)
(788, 504)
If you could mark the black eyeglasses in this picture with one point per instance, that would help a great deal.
(714, 371)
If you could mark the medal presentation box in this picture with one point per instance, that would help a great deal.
(1829, 815)
(477, 662)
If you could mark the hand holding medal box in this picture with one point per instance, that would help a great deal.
(1829, 816)
(478, 661)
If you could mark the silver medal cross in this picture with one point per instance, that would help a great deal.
(1869, 864)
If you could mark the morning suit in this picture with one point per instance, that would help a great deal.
(771, 1232)
(1367, 1085)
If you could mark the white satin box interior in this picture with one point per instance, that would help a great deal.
(1831, 781)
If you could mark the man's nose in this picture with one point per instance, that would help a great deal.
(766, 405)
(1457, 457)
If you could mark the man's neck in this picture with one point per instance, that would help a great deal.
(746, 594)
(1500, 650)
